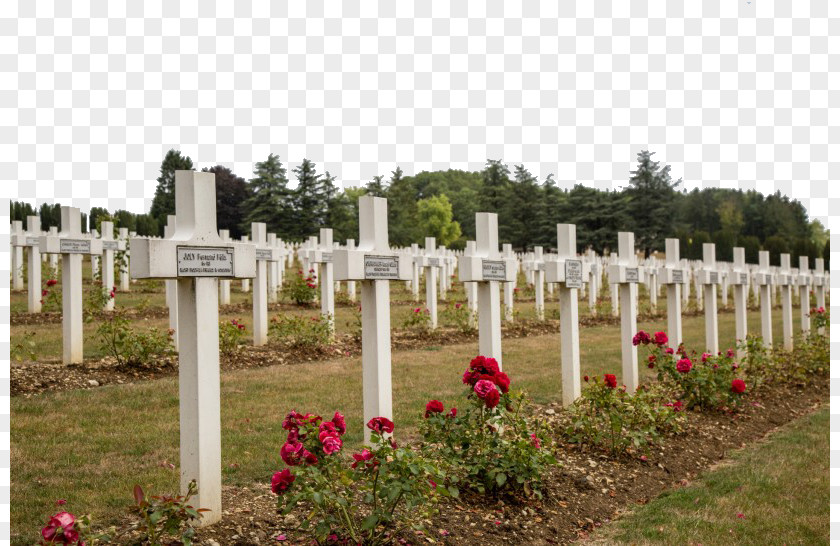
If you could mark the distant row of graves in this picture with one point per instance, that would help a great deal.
(199, 263)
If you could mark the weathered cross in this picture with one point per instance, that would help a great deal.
(273, 273)
(72, 245)
(224, 284)
(672, 277)
(30, 240)
(109, 246)
(196, 256)
(445, 272)
(17, 257)
(739, 279)
(803, 279)
(710, 278)
(594, 274)
(374, 264)
(485, 268)
(351, 285)
(125, 262)
(568, 270)
(765, 280)
(538, 265)
(431, 263)
(507, 254)
(322, 254)
(171, 285)
(264, 254)
(785, 280)
(625, 274)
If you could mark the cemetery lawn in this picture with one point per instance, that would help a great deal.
(90, 446)
(774, 492)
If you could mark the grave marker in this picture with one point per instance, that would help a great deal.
(672, 277)
(17, 257)
(625, 274)
(431, 263)
(125, 262)
(785, 280)
(416, 259)
(613, 287)
(323, 256)
(568, 270)
(471, 288)
(30, 240)
(272, 268)
(109, 246)
(264, 254)
(351, 285)
(71, 244)
(819, 286)
(764, 278)
(246, 283)
(507, 254)
(739, 278)
(375, 265)
(709, 277)
(172, 285)
(196, 256)
(444, 272)
(224, 284)
(539, 282)
(804, 282)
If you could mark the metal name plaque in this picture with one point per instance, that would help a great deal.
(382, 267)
(541, 266)
(574, 274)
(631, 274)
(196, 261)
(492, 270)
(713, 278)
(110, 245)
(74, 246)
(434, 262)
(743, 278)
(32, 241)
(264, 254)
(677, 276)
(326, 257)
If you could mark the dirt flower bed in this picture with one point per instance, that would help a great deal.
(586, 490)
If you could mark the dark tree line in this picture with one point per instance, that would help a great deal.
(296, 202)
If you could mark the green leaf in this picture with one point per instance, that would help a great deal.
(370, 522)
(453, 491)
(501, 479)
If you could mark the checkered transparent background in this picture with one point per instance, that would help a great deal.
(730, 93)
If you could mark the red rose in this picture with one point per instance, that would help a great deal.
(331, 443)
(610, 381)
(535, 441)
(586, 378)
(491, 400)
(485, 365)
(292, 453)
(660, 338)
(363, 457)
(52, 282)
(669, 351)
(706, 357)
(684, 365)
(281, 481)
(453, 412)
(340, 425)
(503, 381)
(641, 338)
(738, 386)
(60, 529)
(309, 458)
(44, 293)
(327, 428)
(730, 353)
(483, 387)
(434, 406)
(381, 425)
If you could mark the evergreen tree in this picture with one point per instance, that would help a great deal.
(269, 200)
(163, 203)
(231, 192)
(375, 187)
(496, 190)
(651, 194)
(525, 195)
(310, 204)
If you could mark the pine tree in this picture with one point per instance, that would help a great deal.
(310, 205)
(269, 199)
(651, 194)
(163, 203)
(231, 192)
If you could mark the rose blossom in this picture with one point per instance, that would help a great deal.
(434, 406)
(669, 351)
(535, 441)
(491, 400)
(738, 386)
(381, 425)
(64, 521)
(684, 365)
(292, 453)
(340, 425)
(503, 381)
(331, 443)
(660, 338)
(281, 481)
(610, 381)
(483, 387)
(730, 353)
(365, 455)
(453, 412)
(641, 338)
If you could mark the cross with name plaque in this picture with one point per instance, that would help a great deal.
(567, 272)
(30, 241)
(109, 246)
(17, 256)
(485, 267)
(625, 274)
(375, 265)
(265, 254)
(671, 275)
(322, 255)
(764, 280)
(710, 277)
(803, 280)
(196, 256)
(432, 265)
(507, 288)
(125, 260)
(739, 279)
(72, 245)
(785, 280)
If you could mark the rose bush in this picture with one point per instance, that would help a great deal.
(301, 289)
(299, 331)
(418, 319)
(490, 444)
(357, 498)
(231, 333)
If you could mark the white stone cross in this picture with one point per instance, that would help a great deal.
(613, 287)
(72, 245)
(322, 255)
(374, 264)
(95, 259)
(109, 246)
(785, 280)
(431, 263)
(804, 282)
(415, 271)
(471, 288)
(484, 268)
(538, 266)
(568, 270)
(125, 263)
(53, 257)
(507, 254)
(246, 283)
(672, 277)
(765, 279)
(273, 273)
(30, 240)
(172, 285)
(819, 285)
(196, 256)
(739, 278)
(351, 285)
(710, 277)
(594, 273)
(265, 254)
(17, 256)
(445, 272)
(224, 284)
(625, 274)
(652, 282)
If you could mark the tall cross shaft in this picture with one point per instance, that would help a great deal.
(804, 281)
(764, 282)
(787, 302)
(488, 304)
(568, 299)
(673, 278)
(739, 277)
(710, 279)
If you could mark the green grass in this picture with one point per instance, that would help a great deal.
(91, 446)
(780, 486)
